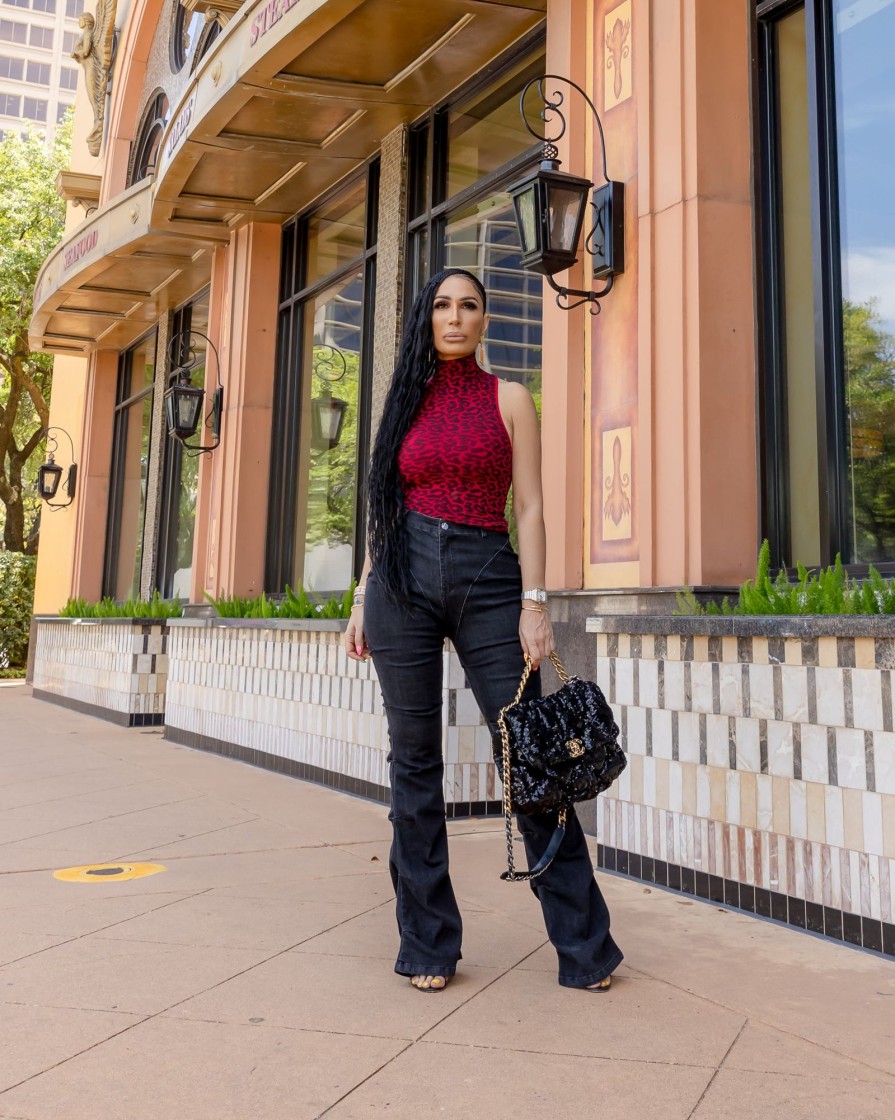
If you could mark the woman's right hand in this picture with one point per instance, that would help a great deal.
(355, 642)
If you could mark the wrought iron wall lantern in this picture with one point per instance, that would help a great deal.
(184, 400)
(49, 473)
(550, 206)
(327, 411)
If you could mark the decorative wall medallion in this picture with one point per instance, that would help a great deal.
(617, 72)
(616, 474)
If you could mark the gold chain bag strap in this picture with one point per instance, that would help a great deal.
(555, 750)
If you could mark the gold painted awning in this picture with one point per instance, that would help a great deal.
(111, 278)
(291, 97)
(298, 92)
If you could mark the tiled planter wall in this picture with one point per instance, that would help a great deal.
(113, 668)
(284, 695)
(761, 765)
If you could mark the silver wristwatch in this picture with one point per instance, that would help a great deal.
(535, 595)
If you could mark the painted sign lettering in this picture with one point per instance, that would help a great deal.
(180, 126)
(272, 12)
(80, 249)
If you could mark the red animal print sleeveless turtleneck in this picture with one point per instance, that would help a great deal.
(456, 461)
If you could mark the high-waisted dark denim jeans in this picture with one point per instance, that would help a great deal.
(465, 586)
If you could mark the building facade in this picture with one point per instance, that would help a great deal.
(280, 177)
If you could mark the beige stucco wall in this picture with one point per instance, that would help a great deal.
(669, 364)
(59, 529)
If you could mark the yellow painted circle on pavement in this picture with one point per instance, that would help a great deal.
(107, 872)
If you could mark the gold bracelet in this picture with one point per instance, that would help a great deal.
(537, 610)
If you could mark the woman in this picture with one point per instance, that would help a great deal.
(451, 441)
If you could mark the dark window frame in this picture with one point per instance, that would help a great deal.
(829, 362)
(210, 33)
(152, 127)
(295, 294)
(121, 419)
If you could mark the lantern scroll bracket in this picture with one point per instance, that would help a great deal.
(184, 401)
(550, 204)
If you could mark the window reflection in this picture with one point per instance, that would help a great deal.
(797, 291)
(865, 115)
(484, 240)
(325, 523)
(487, 132)
(130, 459)
(336, 234)
(181, 470)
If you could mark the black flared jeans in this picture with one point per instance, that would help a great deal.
(465, 586)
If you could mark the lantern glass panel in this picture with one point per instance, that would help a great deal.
(327, 413)
(188, 406)
(527, 217)
(565, 211)
(48, 476)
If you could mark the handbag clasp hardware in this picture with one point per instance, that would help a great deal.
(575, 748)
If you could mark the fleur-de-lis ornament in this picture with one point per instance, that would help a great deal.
(619, 48)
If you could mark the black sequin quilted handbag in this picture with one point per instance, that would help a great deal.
(556, 750)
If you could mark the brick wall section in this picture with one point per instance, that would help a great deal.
(389, 265)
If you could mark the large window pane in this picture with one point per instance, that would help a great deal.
(327, 506)
(181, 470)
(130, 464)
(336, 234)
(483, 239)
(135, 464)
(797, 292)
(864, 34)
(487, 132)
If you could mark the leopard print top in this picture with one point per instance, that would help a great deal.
(456, 461)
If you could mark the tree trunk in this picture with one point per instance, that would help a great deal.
(14, 529)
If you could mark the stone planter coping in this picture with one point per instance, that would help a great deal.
(319, 624)
(104, 621)
(748, 626)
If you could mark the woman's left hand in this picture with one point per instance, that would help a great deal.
(536, 635)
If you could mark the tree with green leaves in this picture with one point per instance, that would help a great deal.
(869, 352)
(32, 221)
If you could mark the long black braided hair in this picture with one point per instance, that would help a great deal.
(413, 372)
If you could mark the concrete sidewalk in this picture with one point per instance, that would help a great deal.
(253, 977)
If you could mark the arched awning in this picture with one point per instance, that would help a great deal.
(112, 276)
(291, 97)
(298, 92)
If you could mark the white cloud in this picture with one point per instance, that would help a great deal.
(869, 274)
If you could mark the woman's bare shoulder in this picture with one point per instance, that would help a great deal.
(513, 391)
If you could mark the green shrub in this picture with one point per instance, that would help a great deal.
(827, 591)
(16, 604)
(294, 604)
(156, 607)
